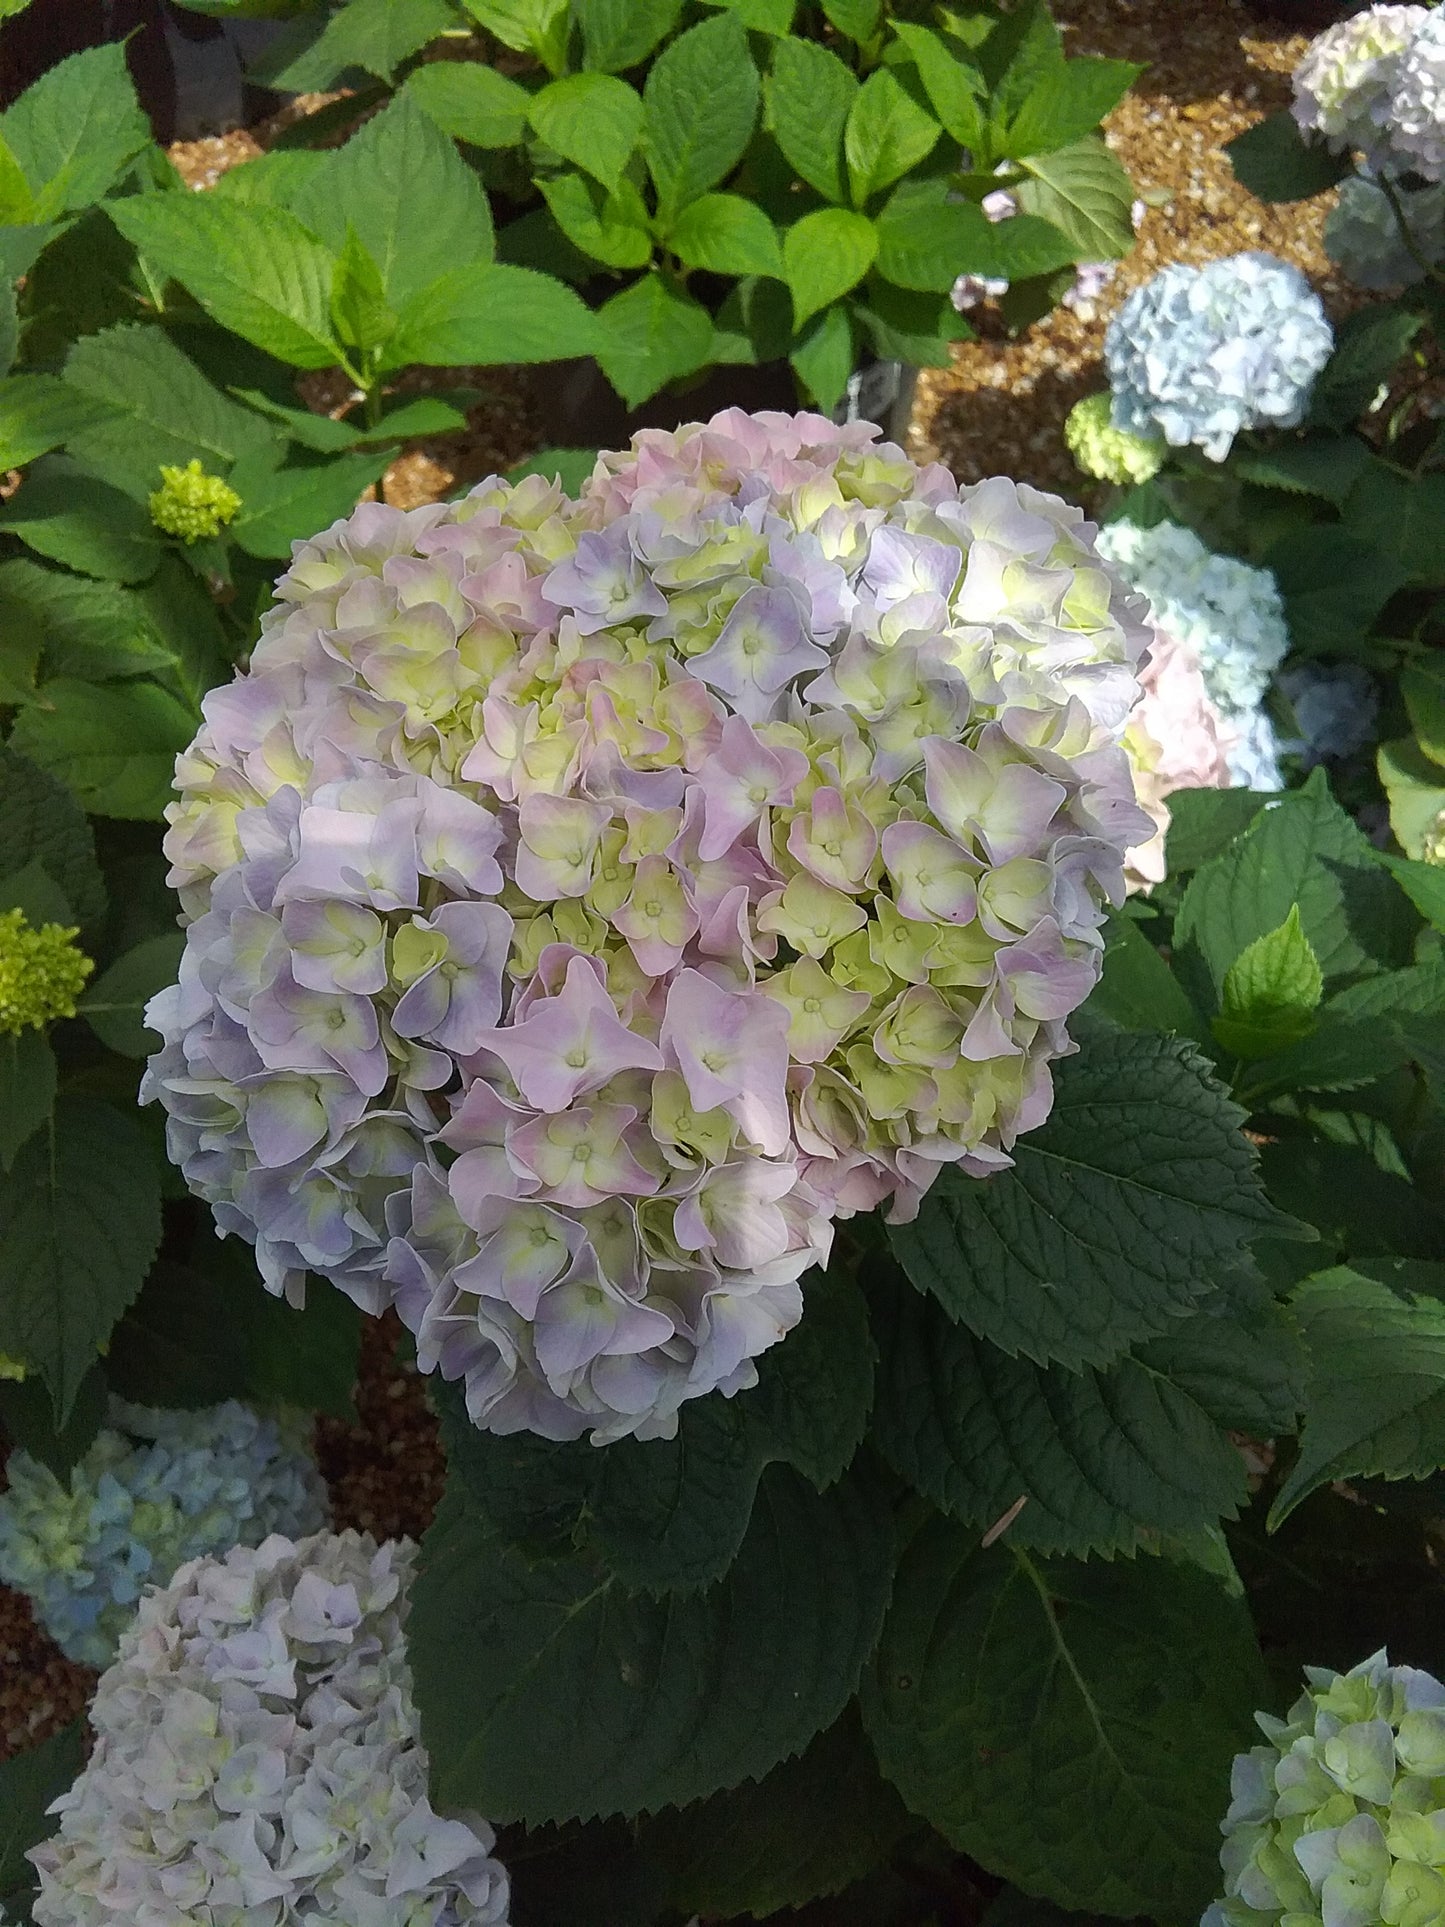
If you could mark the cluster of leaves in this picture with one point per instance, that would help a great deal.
(743, 181)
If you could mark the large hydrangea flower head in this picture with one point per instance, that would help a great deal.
(1176, 739)
(1342, 86)
(1229, 614)
(592, 901)
(1415, 126)
(257, 1760)
(154, 1489)
(1339, 1820)
(1198, 354)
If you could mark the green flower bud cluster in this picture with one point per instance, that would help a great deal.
(41, 973)
(1432, 844)
(1107, 453)
(1340, 1820)
(12, 1368)
(191, 504)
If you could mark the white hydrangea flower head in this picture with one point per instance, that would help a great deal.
(257, 1760)
(1339, 1819)
(1198, 354)
(1415, 128)
(1342, 87)
(1228, 613)
(154, 1489)
(1362, 236)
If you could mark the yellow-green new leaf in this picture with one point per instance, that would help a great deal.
(725, 234)
(1271, 992)
(592, 120)
(824, 255)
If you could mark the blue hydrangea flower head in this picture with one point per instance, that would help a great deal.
(1362, 236)
(154, 1490)
(1229, 613)
(1336, 707)
(1339, 1820)
(1198, 354)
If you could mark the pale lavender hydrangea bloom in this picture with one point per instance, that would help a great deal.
(592, 901)
(1198, 354)
(257, 1760)
(1415, 123)
(1343, 85)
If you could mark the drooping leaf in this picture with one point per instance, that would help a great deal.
(1375, 1398)
(82, 1222)
(810, 95)
(1083, 190)
(74, 130)
(1303, 852)
(493, 314)
(1275, 162)
(1368, 347)
(374, 187)
(471, 101)
(115, 746)
(683, 1696)
(955, 87)
(1102, 1459)
(536, 27)
(887, 135)
(65, 513)
(1118, 1217)
(811, 1827)
(823, 357)
(40, 821)
(255, 269)
(158, 408)
(1423, 884)
(701, 101)
(824, 255)
(1068, 1724)
(650, 334)
(1323, 465)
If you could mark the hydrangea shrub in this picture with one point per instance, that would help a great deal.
(155, 1489)
(1199, 354)
(593, 900)
(1339, 1821)
(256, 1759)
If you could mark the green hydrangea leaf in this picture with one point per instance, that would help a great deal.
(612, 227)
(1138, 990)
(650, 334)
(824, 355)
(701, 102)
(618, 34)
(1203, 823)
(592, 120)
(1066, 103)
(926, 242)
(1084, 191)
(38, 413)
(1243, 1365)
(470, 101)
(27, 1089)
(114, 1002)
(810, 95)
(1119, 1215)
(684, 1696)
(1104, 1461)
(955, 87)
(888, 134)
(1271, 992)
(375, 35)
(40, 821)
(115, 746)
(1067, 1724)
(824, 255)
(1416, 789)
(280, 506)
(490, 315)
(1275, 162)
(74, 130)
(29, 1781)
(63, 512)
(725, 234)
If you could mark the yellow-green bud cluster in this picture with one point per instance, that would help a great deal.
(41, 973)
(1107, 453)
(191, 504)
(11, 1368)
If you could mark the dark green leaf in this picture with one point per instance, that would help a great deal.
(824, 356)
(1402, 516)
(1025, 247)
(824, 255)
(725, 234)
(1023, 46)
(40, 821)
(1101, 1459)
(182, 1343)
(67, 514)
(1203, 824)
(75, 129)
(280, 506)
(1069, 1725)
(1067, 103)
(38, 413)
(1423, 884)
(471, 102)
(375, 35)
(93, 630)
(1422, 684)
(114, 1002)
(1306, 852)
(306, 1358)
(1341, 1055)
(1245, 1368)
(82, 1222)
(1084, 191)
(493, 314)
(592, 120)
(651, 334)
(29, 1781)
(907, 327)
(888, 134)
(810, 94)
(36, 895)
(256, 270)
(28, 1417)
(1275, 162)
(374, 186)
(27, 1089)
(1118, 1217)
(1334, 585)
(617, 34)
(1138, 990)
(115, 746)
(1375, 1404)
(926, 242)
(1324, 465)
(808, 1829)
(701, 102)
(548, 1692)
(1368, 347)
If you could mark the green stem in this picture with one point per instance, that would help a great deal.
(1412, 246)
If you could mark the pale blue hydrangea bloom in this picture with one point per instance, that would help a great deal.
(1340, 1819)
(154, 1489)
(1362, 236)
(1197, 354)
(1336, 707)
(1232, 617)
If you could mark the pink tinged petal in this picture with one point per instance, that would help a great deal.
(459, 999)
(739, 781)
(900, 565)
(581, 1157)
(335, 945)
(558, 847)
(457, 841)
(287, 1116)
(833, 841)
(933, 879)
(482, 1175)
(570, 1044)
(367, 856)
(761, 648)
(732, 1050)
(657, 920)
(1008, 808)
(734, 1214)
(988, 1034)
(529, 1250)
(1044, 981)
